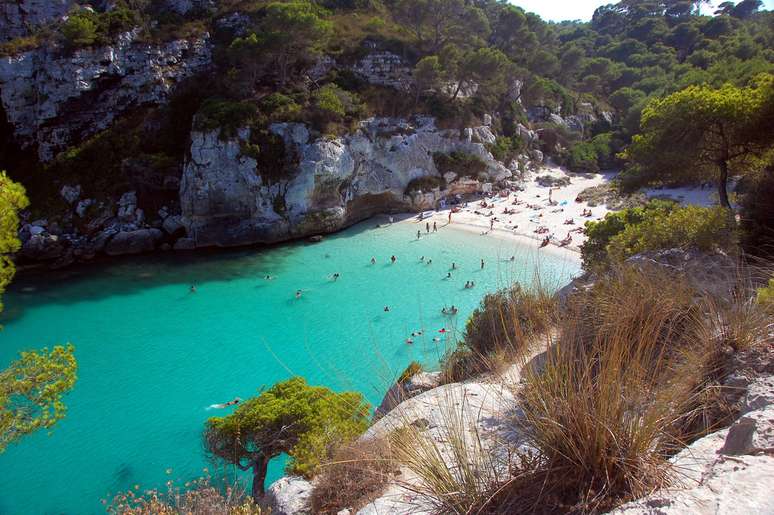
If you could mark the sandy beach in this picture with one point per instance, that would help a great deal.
(530, 217)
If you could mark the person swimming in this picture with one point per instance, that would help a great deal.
(299, 293)
(422, 259)
(373, 260)
(448, 275)
(409, 341)
(192, 289)
(393, 259)
(225, 405)
(336, 276)
(386, 309)
(269, 277)
(429, 261)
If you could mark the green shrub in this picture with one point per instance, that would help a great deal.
(426, 183)
(461, 163)
(506, 148)
(333, 104)
(226, 115)
(587, 156)
(656, 226)
(79, 31)
(85, 27)
(279, 107)
(765, 296)
(503, 325)
(413, 369)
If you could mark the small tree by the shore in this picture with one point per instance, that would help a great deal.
(306, 422)
(702, 132)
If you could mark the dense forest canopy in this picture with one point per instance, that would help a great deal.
(467, 58)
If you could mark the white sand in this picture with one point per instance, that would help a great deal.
(521, 225)
(534, 211)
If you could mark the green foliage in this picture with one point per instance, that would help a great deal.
(279, 107)
(12, 200)
(587, 156)
(461, 163)
(765, 296)
(85, 27)
(657, 225)
(79, 30)
(332, 104)
(702, 132)
(757, 213)
(413, 369)
(507, 148)
(290, 417)
(31, 391)
(226, 115)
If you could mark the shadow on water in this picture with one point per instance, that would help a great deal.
(127, 275)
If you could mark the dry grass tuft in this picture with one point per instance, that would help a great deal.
(357, 474)
(500, 331)
(197, 498)
(453, 470)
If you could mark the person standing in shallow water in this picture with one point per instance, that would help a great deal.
(482, 264)
(427, 227)
(419, 234)
(435, 227)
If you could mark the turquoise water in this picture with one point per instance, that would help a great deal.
(153, 356)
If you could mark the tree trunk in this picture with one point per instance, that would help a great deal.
(723, 184)
(259, 477)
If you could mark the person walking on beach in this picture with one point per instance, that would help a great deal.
(450, 213)
(427, 227)
(491, 225)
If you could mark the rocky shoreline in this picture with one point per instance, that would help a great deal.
(225, 201)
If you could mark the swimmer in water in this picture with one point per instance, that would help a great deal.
(336, 276)
(436, 339)
(513, 258)
(429, 261)
(386, 309)
(236, 400)
(409, 341)
(448, 275)
(393, 259)
(422, 259)
(192, 289)
(373, 260)
(299, 293)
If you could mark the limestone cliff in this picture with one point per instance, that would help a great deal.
(332, 182)
(19, 16)
(54, 100)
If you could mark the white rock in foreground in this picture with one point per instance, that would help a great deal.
(728, 472)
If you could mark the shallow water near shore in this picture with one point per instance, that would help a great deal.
(153, 356)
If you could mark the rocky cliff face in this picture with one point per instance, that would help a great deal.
(336, 182)
(53, 100)
(17, 17)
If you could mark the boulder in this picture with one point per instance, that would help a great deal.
(82, 206)
(174, 225)
(727, 472)
(43, 247)
(289, 496)
(400, 391)
(70, 194)
(133, 242)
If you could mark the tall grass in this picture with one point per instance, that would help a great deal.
(634, 370)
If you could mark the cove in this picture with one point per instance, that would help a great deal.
(153, 356)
